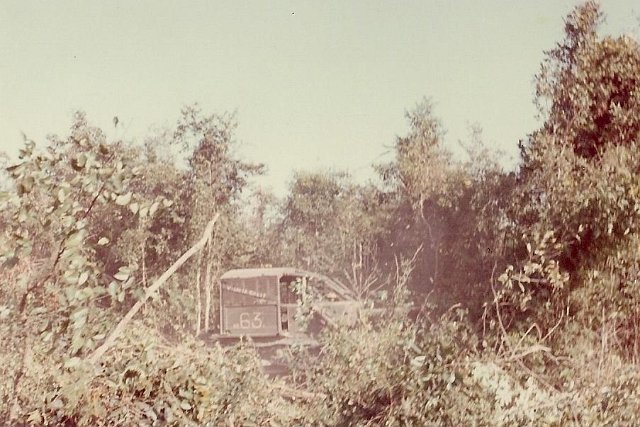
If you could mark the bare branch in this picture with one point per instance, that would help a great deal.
(117, 331)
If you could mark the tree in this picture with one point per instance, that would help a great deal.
(421, 172)
(587, 87)
(453, 212)
(59, 310)
(333, 226)
(215, 179)
(577, 188)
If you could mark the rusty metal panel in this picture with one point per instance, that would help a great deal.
(253, 320)
(237, 292)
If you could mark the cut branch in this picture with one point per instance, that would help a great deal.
(117, 331)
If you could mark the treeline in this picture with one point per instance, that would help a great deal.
(527, 282)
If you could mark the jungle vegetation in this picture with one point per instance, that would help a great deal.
(525, 283)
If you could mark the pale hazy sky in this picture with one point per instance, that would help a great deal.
(315, 84)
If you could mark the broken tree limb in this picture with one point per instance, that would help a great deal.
(117, 331)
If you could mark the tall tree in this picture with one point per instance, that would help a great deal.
(215, 178)
(331, 225)
(587, 87)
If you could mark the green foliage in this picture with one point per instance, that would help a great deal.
(422, 170)
(58, 193)
(331, 225)
(587, 86)
(538, 289)
(94, 216)
(578, 180)
(146, 381)
(456, 214)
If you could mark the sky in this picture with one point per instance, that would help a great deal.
(315, 84)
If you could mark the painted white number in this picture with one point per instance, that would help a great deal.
(257, 320)
(246, 322)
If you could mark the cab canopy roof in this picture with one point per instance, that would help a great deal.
(244, 273)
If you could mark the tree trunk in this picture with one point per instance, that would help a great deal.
(207, 289)
(198, 295)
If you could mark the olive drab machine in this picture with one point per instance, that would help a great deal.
(265, 302)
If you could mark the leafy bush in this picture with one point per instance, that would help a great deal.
(145, 381)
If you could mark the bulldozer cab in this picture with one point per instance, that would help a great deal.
(265, 302)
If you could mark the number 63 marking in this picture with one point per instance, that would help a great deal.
(246, 322)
